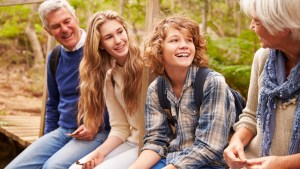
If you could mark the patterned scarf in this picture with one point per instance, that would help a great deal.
(275, 87)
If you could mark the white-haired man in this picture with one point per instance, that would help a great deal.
(64, 142)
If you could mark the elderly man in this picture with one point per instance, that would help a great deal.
(64, 142)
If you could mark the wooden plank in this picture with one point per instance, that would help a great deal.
(18, 2)
(24, 132)
(22, 129)
(6, 132)
(11, 133)
(23, 117)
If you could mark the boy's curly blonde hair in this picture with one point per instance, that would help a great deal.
(153, 46)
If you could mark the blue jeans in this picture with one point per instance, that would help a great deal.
(162, 163)
(56, 150)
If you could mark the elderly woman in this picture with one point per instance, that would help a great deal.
(268, 132)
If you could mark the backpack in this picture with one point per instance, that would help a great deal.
(239, 100)
(54, 58)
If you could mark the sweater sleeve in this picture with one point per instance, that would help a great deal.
(52, 115)
(248, 118)
(117, 117)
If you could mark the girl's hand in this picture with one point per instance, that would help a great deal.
(110, 71)
(108, 83)
(95, 158)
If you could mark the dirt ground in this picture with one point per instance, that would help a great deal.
(15, 100)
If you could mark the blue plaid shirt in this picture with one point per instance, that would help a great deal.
(200, 136)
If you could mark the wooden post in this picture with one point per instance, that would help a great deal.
(152, 13)
(50, 45)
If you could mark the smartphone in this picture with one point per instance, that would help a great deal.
(78, 163)
(72, 134)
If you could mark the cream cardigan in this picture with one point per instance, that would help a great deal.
(284, 114)
(122, 124)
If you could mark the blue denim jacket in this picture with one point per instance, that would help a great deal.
(200, 136)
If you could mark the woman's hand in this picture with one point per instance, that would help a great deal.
(83, 133)
(273, 162)
(234, 154)
(94, 158)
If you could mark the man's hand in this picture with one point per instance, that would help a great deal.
(83, 133)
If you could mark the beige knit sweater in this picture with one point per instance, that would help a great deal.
(284, 114)
(122, 124)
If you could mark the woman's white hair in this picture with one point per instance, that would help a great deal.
(51, 5)
(275, 15)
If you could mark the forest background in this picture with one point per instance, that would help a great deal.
(23, 44)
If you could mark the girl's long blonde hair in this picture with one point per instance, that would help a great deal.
(92, 71)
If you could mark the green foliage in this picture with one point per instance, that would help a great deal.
(9, 31)
(232, 56)
(237, 76)
(187, 8)
(15, 20)
(233, 50)
(135, 13)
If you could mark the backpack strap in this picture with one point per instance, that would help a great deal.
(239, 102)
(198, 85)
(163, 100)
(54, 58)
(162, 93)
(198, 88)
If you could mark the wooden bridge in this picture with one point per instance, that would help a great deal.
(22, 129)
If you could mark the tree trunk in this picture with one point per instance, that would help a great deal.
(204, 17)
(172, 5)
(34, 41)
(238, 19)
(180, 3)
(220, 32)
(122, 7)
(36, 46)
